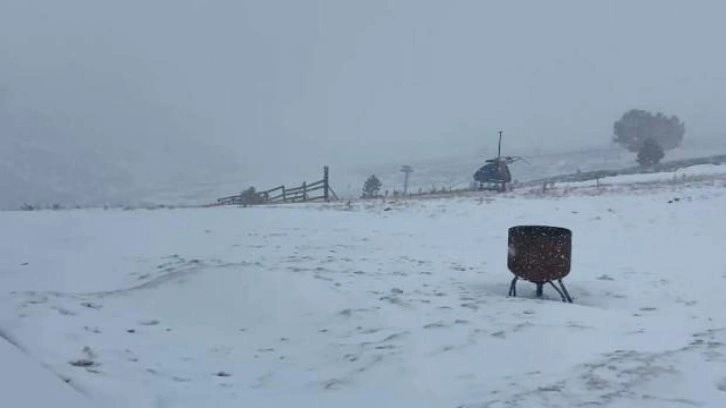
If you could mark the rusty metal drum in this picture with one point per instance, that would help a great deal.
(539, 253)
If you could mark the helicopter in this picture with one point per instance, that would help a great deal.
(495, 174)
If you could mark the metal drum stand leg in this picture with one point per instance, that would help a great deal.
(513, 287)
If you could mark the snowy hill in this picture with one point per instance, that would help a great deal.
(457, 171)
(138, 158)
(397, 304)
(43, 161)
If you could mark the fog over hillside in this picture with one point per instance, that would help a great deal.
(123, 102)
(44, 161)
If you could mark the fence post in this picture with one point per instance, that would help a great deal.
(326, 183)
(284, 195)
(305, 191)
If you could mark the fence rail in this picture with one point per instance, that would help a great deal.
(315, 191)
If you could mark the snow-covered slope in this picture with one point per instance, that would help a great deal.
(25, 383)
(457, 171)
(375, 304)
(44, 162)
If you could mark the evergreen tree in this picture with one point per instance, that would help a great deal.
(650, 154)
(371, 187)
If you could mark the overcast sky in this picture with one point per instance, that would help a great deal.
(270, 82)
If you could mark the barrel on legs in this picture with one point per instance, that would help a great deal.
(541, 255)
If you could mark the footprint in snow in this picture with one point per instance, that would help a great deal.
(38, 300)
(88, 359)
(91, 305)
(437, 325)
(578, 326)
(82, 362)
(149, 322)
(333, 384)
(64, 311)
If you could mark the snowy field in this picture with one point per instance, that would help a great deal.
(699, 172)
(370, 304)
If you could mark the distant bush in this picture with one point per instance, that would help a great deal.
(251, 197)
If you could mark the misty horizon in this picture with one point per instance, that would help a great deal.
(99, 99)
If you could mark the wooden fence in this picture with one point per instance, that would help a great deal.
(316, 191)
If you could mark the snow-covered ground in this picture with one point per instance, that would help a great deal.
(680, 176)
(395, 304)
(25, 383)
